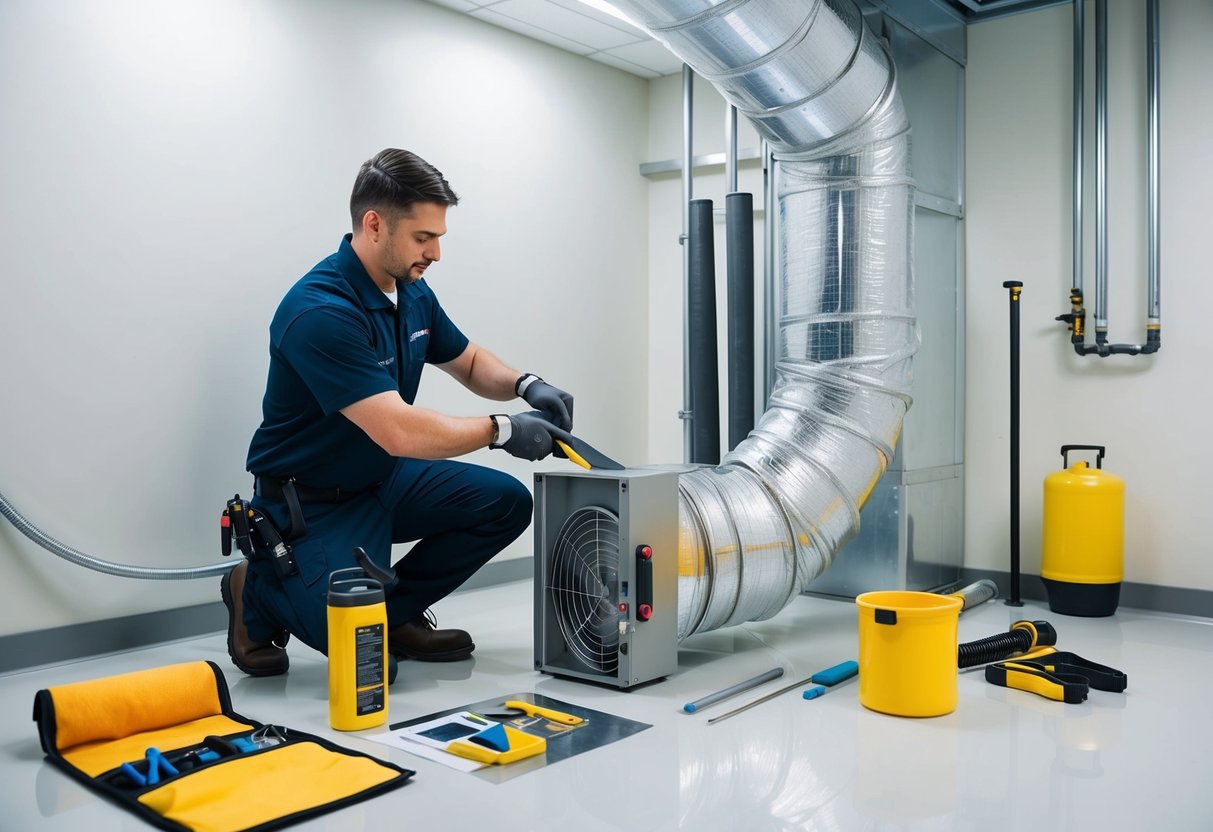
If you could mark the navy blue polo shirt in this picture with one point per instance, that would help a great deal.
(336, 339)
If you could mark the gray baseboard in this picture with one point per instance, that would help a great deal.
(1172, 599)
(77, 641)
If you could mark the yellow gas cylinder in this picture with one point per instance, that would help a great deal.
(1082, 561)
(358, 659)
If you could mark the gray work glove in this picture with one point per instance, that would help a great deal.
(529, 435)
(557, 404)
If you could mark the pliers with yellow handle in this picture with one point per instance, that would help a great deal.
(1033, 678)
(1063, 676)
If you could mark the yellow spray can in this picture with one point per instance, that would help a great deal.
(358, 660)
(1082, 560)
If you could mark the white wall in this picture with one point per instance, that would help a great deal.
(170, 169)
(1151, 412)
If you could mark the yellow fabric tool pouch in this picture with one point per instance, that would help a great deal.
(165, 744)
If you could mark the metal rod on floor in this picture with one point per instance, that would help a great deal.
(730, 692)
(760, 700)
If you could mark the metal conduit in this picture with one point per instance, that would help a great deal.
(121, 570)
(1080, 85)
(821, 91)
(1076, 318)
(688, 193)
(1101, 169)
(1153, 49)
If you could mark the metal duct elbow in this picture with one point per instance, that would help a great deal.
(821, 88)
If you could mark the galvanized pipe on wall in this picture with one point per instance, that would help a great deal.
(1077, 315)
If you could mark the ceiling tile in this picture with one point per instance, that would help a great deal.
(651, 55)
(575, 27)
(627, 66)
(514, 25)
(566, 23)
(610, 20)
(458, 5)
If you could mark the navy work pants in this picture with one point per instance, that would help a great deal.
(460, 514)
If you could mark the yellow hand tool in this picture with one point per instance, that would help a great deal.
(521, 746)
(1055, 674)
(584, 454)
(572, 455)
(1033, 678)
(517, 707)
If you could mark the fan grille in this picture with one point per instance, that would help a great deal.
(584, 586)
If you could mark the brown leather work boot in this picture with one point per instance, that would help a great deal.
(256, 658)
(418, 639)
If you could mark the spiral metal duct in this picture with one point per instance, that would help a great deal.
(821, 89)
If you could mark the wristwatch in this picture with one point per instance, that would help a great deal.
(501, 430)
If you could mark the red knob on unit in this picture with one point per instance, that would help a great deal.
(623, 607)
(645, 552)
(644, 612)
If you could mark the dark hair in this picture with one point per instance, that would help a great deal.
(392, 180)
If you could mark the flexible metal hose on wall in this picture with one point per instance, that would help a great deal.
(121, 570)
(821, 89)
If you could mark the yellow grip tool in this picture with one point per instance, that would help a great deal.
(572, 455)
(584, 454)
(547, 713)
(1033, 678)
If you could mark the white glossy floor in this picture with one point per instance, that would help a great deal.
(1004, 760)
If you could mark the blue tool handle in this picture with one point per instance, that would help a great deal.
(133, 773)
(243, 744)
(837, 673)
(169, 769)
(153, 766)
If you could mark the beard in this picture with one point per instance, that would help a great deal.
(404, 271)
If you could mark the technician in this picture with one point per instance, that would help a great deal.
(343, 458)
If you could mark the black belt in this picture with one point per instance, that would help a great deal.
(293, 494)
(272, 488)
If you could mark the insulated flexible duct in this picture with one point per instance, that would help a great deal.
(821, 89)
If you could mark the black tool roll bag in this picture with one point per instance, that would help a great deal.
(165, 744)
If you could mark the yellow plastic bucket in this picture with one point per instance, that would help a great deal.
(907, 652)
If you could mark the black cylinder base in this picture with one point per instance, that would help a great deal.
(1089, 600)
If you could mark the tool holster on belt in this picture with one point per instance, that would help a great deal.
(239, 522)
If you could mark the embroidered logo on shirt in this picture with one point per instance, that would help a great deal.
(387, 361)
(418, 334)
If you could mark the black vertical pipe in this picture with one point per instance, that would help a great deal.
(739, 240)
(1015, 288)
(705, 387)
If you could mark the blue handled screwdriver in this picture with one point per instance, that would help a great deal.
(837, 673)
